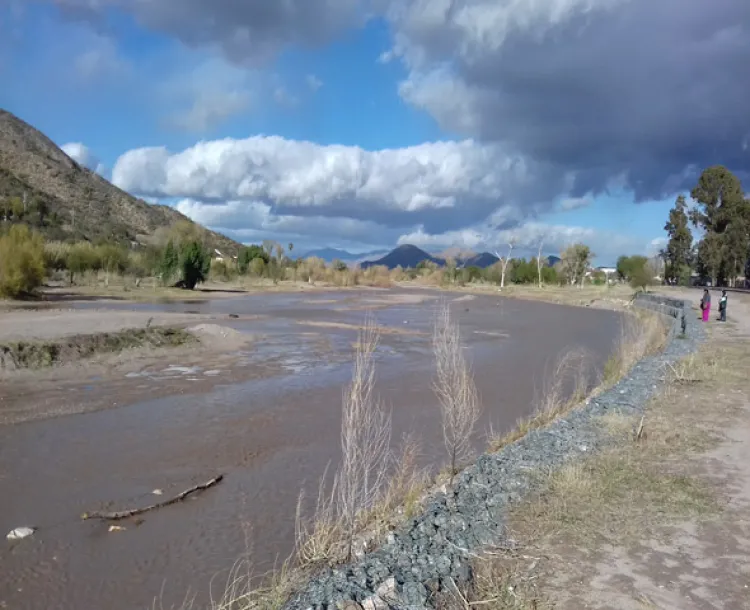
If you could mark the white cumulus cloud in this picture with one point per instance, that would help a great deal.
(437, 184)
(606, 245)
(82, 155)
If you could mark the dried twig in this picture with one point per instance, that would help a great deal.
(117, 516)
(639, 432)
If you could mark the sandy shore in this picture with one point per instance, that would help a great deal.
(25, 325)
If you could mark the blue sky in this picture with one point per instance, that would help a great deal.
(366, 123)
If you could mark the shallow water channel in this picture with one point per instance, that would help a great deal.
(270, 437)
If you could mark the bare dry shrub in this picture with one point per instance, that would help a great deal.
(402, 495)
(641, 333)
(454, 386)
(365, 435)
(377, 276)
(361, 479)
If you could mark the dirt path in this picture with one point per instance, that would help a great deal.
(660, 523)
(699, 563)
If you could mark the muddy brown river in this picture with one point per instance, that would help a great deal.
(270, 437)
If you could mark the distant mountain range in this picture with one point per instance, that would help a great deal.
(405, 256)
(409, 256)
(331, 254)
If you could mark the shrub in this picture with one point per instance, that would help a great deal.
(220, 270)
(21, 262)
(80, 258)
(641, 277)
(249, 254)
(257, 267)
(169, 262)
(195, 263)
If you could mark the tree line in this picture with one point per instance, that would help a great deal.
(721, 214)
(177, 257)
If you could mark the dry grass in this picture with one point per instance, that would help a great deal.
(622, 496)
(495, 585)
(642, 333)
(565, 388)
(609, 297)
(612, 498)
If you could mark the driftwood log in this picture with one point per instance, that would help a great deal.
(125, 514)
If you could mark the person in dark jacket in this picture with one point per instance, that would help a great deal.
(723, 306)
(706, 304)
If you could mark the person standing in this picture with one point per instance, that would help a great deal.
(706, 304)
(723, 306)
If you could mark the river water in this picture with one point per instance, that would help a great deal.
(270, 437)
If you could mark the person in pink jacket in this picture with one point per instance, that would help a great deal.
(706, 304)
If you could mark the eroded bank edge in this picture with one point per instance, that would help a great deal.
(434, 551)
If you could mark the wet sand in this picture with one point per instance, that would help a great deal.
(267, 417)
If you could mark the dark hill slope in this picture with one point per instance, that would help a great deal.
(77, 202)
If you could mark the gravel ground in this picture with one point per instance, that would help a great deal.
(435, 548)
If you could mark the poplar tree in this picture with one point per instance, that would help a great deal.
(680, 244)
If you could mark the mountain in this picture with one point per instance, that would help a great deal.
(331, 254)
(483, 260)
(552, 260)
(456, 253)
(404, 256)
(65, 200)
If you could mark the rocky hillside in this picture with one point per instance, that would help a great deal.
(64, 200)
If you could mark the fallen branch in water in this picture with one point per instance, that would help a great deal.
(124, 514)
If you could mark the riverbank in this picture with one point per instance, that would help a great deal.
(659, 520)
(34, 355)
(622, 504)
(270, 436)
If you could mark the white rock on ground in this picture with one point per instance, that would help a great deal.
(20, 532)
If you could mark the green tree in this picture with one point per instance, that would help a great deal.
(735, 244)
(549, 275)
(144, 262)
(113, 259)
(170, 262)
(21, 262)
(574, 262)
(339, 265)
(81, 257)
(723, 213)
(195, 264)
(257, 267)
(627, 266)
(247, 254)
(680, 245)
(710, 252)
(642, 277)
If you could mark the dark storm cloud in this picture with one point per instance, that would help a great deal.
(642, 89)
(247, 31)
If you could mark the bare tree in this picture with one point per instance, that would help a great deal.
(365, 436)
(455, 389)
(539, 261)
(575, 261)
(505, 261)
